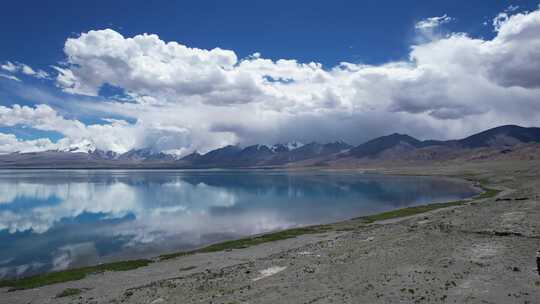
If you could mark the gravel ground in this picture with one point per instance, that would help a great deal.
(482, 252)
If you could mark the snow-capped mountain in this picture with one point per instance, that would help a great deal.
(88, 147)
(146, 154)
(294, 145)
(85, 146)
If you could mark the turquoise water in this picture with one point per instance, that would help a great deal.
(53, 220)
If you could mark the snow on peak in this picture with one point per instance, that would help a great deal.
(286, 146)
(176, 153)
(85, 146)
(294, 145)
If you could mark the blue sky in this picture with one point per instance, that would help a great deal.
(394, 73)
(323, 31)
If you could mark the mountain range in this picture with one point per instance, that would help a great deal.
(504, 142)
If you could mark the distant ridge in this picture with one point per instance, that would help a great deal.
(503, 135)
(380, 144)
(234, 156)
(496, 143)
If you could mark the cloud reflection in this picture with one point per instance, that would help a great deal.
(56, 220)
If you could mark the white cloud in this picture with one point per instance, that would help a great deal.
(9, 143)
(512, 8)
(10, 77)
(432, 28)
(114, 135)
(432, 22)
(25, 69)
(9, 66)
(144, 63)
(41, 117)
(500, 20)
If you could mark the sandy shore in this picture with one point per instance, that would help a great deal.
(480, 252)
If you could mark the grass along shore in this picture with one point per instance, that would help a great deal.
(80, 273)
(70, 274)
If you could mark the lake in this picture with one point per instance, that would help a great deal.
(54, 220)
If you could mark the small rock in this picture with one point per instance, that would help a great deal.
(158, 301)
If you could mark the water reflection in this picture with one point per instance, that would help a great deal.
(52, 220)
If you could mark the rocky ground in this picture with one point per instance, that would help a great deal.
(481, 252)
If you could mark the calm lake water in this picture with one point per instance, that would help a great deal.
(53, 220)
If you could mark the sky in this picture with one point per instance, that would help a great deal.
(179, 77)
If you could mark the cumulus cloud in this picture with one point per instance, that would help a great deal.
(9, 143)
(184, 99)
(113, 135)
(144, 63)
(514, 54)
(42, 117)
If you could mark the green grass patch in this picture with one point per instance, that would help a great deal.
(407, 211)
(487, 191)
(68, 292)
(250, 241)
(70, 274)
